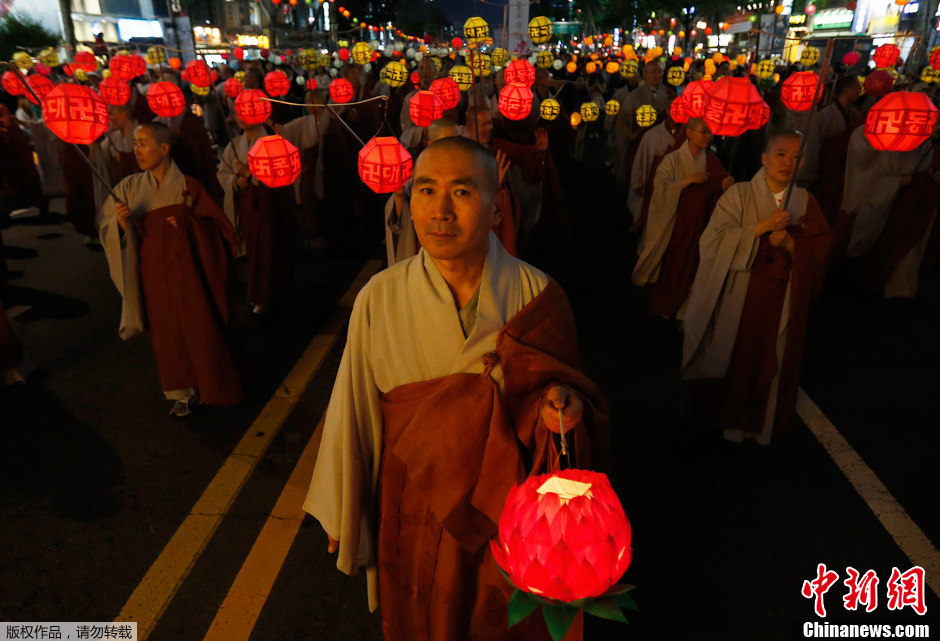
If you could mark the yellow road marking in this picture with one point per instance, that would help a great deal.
(153, 594)
(909, 537)
(239, 612)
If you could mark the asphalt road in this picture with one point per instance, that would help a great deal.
(97, 477)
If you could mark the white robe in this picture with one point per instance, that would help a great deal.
(103, 155)
(237, 150)
(653, 144)
(141, 193)
(404, 328)
(667, 190)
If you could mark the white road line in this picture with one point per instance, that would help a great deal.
(910, 538)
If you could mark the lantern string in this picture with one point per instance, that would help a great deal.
(344, 104)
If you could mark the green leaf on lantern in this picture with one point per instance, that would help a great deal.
(618, 588)
(558, 619)
(624, 600)
(605, 609)
(521, 605)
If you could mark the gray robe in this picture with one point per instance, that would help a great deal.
(655, 143)
(728, 248)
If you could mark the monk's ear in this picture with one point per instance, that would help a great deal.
(497, 212)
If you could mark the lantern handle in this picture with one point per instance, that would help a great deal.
(94, 169)
(812, 115)
(564, 440)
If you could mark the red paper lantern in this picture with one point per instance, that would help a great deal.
(274, 161)
(115, 91)
(886, 55)
(239, 53)
(197, 72)
(695, 94)
(515, 101)
(799, 90)
(900, 121)
(520, 72)
(232, 87)
(75, 113)
(679, 109)
(311, 83)
(341, 91)
(851, 58)
(935, 59)
(128, 67)
(252, 107)
(277, 84)
(41, 85)
(12, 84)
(344, 54)
(456, 43)
(86, 61)
(563, 536)
(175, 63)
(425, 107)
(732, 106)
(264, 53)
(384, 164)
(166, 99)
(447, 90)
(878, 83)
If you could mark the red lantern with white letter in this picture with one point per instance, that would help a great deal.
(447, 90)
(886, 55)
(197, 72)
(311, 83)
(166, 99)
(128, 67)
(341, 91)
(232, 87)
(679, 109)
(901, 121)
(384, 164)
(274, 161)
(425, 107)
(515, 101)
(115, 91)
(75, 113)
(799, 90)
(878, 83)
(277, 84)
(252, 107)
(695, 94)
(41, 85)
(12, 84)
(520, 72)
(732, 106)
(86, 61)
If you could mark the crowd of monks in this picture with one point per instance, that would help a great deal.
(468, 325)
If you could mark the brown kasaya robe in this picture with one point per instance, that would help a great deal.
(437, 577)
(265, 222)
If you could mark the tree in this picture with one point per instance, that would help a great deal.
(19, 31)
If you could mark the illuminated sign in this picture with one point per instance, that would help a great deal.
(833, 19)
(253, 41)
(798, 20)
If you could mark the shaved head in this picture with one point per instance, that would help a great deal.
(442, 128)
(159, 132)
(786, 134)
(487, 170)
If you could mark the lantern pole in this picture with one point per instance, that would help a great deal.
(94, 169)
(812, 115)
(347, 127)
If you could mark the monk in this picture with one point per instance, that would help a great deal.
(263, 219)
(890, 208)
(627, 134)
(457, 363)
(822, 169)
(401, 241)
(760, 267)
(662, 139)
(113, 153)
(688, 184)
(170, 249)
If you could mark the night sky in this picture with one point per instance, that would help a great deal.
(459, 10)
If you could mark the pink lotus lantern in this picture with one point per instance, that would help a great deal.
(564, 537)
